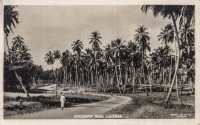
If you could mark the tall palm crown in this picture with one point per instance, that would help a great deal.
(49, 58)
(118, 47)
(160, 56)
(167, 34)
(57, 54)
(142, 38)
(167, 11)
(187, 35)
(187, 16)
(10, 18)
(66, 58)
(19, 51)
(77, 46)
(132, 46)
(95, 40)
(18, 43)
(134, 54)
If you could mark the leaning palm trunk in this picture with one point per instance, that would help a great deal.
(170, 72)
(12, 65)
(177, 63)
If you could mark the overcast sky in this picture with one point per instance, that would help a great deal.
(46, 28)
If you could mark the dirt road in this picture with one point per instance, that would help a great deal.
(79, 111)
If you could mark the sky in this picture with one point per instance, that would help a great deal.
(50, 28)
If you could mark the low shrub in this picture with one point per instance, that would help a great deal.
(7, 98)
(38, 103)
(14, 109)
(34, 98)
(54, 103)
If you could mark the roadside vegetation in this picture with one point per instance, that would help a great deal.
(143, 107)
(21, 105)
(124, 67)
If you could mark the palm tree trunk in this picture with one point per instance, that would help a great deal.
(177, 63)
(88, 79)
(143, 72)
(177, 92)
(126, 79)
(66, 74)
(70, 77)
(76, 83)
(116, 74)
(170, 71)
(120, 74)
(96, 77)
(55, 80)
(163, 80)
(133, 80)
(64, 77)
(83, 81)
(12, 65)
(92, 78)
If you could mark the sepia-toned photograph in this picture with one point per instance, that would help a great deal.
(99, 61)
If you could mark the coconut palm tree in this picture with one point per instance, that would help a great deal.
(49, 59)
(21, 58)
(118, 49)
(66, 59)
(95, 41)
(77, 46)
(36, 71)
(57, 57)
(173, 12)
(135, 60)
(109, 67)
(142, 38)
(10, 21)
(167, 36)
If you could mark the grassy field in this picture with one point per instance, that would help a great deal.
(150, 107)
(12, 105)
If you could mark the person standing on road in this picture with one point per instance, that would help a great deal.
(62, 100)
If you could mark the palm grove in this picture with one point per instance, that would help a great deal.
(121, 65)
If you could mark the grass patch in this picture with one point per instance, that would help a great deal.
(144, 107)
(12, 106)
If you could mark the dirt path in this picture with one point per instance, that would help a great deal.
(78, 111)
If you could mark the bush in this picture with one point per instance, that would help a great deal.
(38, 103)
(54, 103)
(34, 98)
(7, 98)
